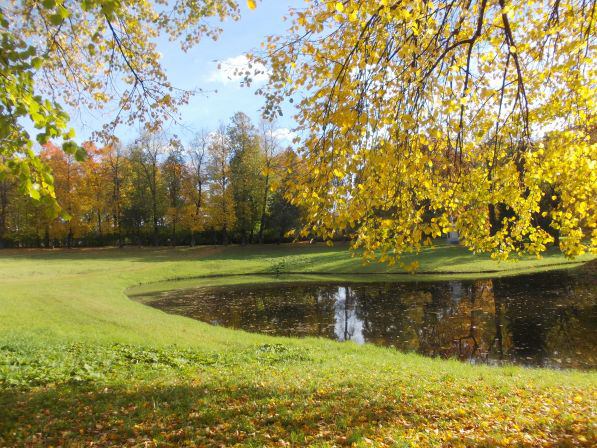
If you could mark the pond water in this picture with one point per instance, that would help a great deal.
(547, 319)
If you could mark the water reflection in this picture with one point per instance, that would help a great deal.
(542, 320)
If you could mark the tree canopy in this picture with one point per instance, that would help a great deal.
(421, 116)
(87, 53)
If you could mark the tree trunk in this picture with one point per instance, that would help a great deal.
(173, 242)
(155, 223)
(120, 241)
(47, 237)
(263, 209)
(493, 220)
(99, 228)
(3, 210)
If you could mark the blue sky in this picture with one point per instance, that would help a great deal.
(197, 69)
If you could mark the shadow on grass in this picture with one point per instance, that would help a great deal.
(188, 414)
(219, 413)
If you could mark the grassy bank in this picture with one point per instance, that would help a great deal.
(80, 362)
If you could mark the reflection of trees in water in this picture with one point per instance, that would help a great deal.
(295, 310)
(548, 319)
(558, 325)
(391, 313)
(349, 327)
(459, 320)
(531, 320)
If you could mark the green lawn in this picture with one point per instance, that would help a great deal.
(80, 362)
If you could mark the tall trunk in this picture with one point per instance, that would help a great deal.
(3, 210)
(493, 220)
(224, 235)
(224, 209)
(173, 242)
(138, 229)
(155, 220)
(119, 227)
(69, 238)
(47, 237)
(264, 207)
(99, 227)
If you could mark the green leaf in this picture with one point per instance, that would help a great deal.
(80, 154)
(56, 19)
(70, 147)
(36, 63)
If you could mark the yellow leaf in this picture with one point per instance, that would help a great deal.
(251, 4)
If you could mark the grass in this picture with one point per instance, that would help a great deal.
(81, 363)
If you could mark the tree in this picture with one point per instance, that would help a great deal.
(246, 166)
(137, 211)
(174, 171)
(151, 146)
(95, 193)
(6, 187)
(221, 198)
(116, 167)
(269, 145)
(422, 113)
(284, 215)
(196, 182)
(87, 54)
(68, 184)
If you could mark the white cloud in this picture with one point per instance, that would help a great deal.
(284, 135)
(234, 69)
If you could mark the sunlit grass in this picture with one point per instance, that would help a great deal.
(81, 362)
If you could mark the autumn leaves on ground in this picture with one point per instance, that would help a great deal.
(83, 365)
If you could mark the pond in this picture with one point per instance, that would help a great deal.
(547, 319)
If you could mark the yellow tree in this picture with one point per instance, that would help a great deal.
(221, 196)
(95, 195)
(422, 113)
(68, 184)
(116, 166)
(194, 185)
(174, 171)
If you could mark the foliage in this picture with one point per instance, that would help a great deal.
(157, 190)
(424, 116)
(246, 165)
(87, 54)
(19, 100)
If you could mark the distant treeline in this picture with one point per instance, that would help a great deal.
(225, 186)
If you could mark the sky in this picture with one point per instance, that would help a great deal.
(198, 69)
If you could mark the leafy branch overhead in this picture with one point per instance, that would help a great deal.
(87, 54)
(422, 117)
